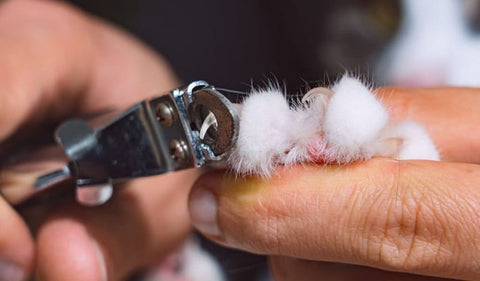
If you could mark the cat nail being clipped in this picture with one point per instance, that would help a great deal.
(201, 125)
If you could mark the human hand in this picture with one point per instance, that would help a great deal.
(381, 216)
(57, 62)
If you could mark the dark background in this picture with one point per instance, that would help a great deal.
(227, 43)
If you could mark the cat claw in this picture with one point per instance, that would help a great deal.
(209, 121)
(315, 93)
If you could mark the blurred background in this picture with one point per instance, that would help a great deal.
(234, 43)
(237, 43)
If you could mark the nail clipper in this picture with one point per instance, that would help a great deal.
(189, 127)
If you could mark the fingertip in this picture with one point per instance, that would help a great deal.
(203, 205)
(16, 245)
(66, 251)
(203, 208)
(224, 205)
(230, 185)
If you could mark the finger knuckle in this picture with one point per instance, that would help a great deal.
(412, 237)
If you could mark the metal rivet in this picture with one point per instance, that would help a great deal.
(164, 114)
(178, 150)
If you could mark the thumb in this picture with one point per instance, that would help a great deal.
(414, 216)
(16, 245)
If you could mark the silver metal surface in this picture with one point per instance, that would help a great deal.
(209, 101)
(189, 127)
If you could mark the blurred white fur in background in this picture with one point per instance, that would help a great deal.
(434, 46)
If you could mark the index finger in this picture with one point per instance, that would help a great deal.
(57, 62)
(450, 115)
(411, 216)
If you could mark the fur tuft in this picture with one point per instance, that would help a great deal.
(416, 143)
(353, 120)
(266, 132)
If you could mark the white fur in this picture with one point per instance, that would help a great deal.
(266, 132)
(347, 126)
(199, 265)
(194, 264)
(434, 46)
(416, 144)
(353, 120)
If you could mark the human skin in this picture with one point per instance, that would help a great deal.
(57, 62)
(377, 217)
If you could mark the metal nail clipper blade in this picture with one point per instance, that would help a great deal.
(189, 127)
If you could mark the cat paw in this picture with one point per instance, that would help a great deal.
(339, 125)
